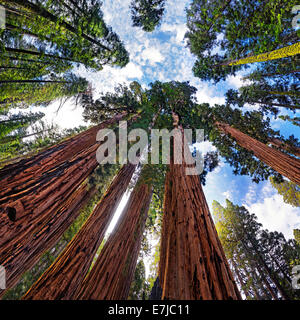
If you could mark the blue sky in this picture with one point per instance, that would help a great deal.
(162, 55)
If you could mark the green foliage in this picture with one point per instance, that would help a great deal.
(297, 235)
(74, 31)
(289, 190)
(236, 29)
(269, 96)
(147, 14)
(256, 255)
(139, 289)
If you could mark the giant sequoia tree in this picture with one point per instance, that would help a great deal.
(261, 260)
(112, 274)
(64, 278)
(38, 199)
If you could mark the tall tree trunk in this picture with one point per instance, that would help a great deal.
(266, 282)
(192, 265)
(280, 162)
(269, 272)
(40, 186)
(112, 274)
(32, 169)
(7, 139)
(288, 51)
(50, 232)
(240, 278)
(65, 276)
(273, 104)
(24, 214)
(282, 145)
(39, 10)
(267, 75)
(37, 53)
(32, 81)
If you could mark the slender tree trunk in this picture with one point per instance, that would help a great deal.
(28, 60)
(282, 145)
(23, 31)
(112, 274)
(266, 282)
(288, 51)
(273, 104)
(192, 265)
(269, 272)
(280, 162)
(37, 53)
(12, 138)
(64, 278)
(32, 81)
(241, 281)
(48, 15)
(268, 75)
(50, 232)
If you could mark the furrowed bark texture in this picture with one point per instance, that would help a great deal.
(280, 162)
(17, 176)
(65, 276)
(28, 255)
(33, 196)
(22, 218)
(281, 145)
(192, 265)
(112, 274)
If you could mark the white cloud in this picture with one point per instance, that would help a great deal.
(153, 55)
(179, 29)
(275, 215)
(228, 195)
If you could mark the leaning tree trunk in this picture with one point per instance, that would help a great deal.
(28, 254)
(280, 162)
(284, 52)
(23, 214)
(192, 265)
(33, 168)
(112, 274)
(282, 145)
(65, 276)
(34, 194)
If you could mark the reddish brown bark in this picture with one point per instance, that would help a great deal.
(112, 274)
(34, 195)
(281, 145)
(280, 162)
(193, 265)
(27, 255)
(65, 276)
(17, 176)
(24, 215)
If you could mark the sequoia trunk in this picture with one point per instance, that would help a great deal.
(112, 274)
(65, 276)
(280, 162)
(28, 254)
(193, 265)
